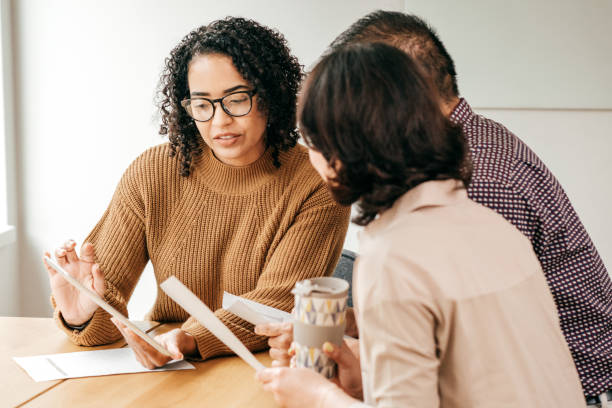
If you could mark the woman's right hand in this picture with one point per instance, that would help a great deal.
(76, 307)
(280, 339)
(346, 356)
(281, 336)
(349, 367)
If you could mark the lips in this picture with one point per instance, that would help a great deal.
(226, 136)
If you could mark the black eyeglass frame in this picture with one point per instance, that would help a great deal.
(187, 101)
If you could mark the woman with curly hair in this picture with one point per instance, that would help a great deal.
(231, 203)
(452, 307)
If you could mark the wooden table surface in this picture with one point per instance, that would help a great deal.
(220, 382)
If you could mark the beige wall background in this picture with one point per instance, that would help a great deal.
(85, 75)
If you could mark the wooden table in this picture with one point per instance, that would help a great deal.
(220, 382)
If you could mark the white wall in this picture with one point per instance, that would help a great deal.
(86, 73)
(9, 279)
(527, 53)
(576, 147)
(9, 284)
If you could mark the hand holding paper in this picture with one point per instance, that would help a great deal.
(178, 342)
(76, 307)
(280, 340)
(196, 308)
(97, 299)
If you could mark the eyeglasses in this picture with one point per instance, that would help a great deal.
(234, 104)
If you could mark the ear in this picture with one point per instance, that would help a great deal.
(321, 165)
(335, 166)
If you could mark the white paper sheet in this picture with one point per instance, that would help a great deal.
(253, 312)
(89, 364)
(196, 308)
(256, 313)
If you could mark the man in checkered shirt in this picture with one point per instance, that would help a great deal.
(510, 179)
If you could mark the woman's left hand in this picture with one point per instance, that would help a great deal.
(178, 342)
(302, 388)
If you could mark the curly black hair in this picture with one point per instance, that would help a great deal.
(260, 55)
(372, 113)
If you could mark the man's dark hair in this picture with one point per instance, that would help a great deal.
(369, 110)
(260, 55)
(412, 35)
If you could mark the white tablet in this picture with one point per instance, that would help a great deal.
(102, 303)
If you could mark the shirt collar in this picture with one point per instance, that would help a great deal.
(432, 193)
(462, 112)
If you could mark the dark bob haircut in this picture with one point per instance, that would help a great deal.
(373, 115)
(260, 55)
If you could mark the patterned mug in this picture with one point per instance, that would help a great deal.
(319, 315)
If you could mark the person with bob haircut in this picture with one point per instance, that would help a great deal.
(452, 307)
(509, 178)
(230, 203)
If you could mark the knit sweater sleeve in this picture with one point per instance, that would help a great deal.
(309, 248)
(120, 250)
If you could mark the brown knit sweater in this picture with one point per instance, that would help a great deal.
(251, 231)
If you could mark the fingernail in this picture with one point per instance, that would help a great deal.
(257, 330)
(291, 350)
(328, 347)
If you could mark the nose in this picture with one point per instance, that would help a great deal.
(220, 117)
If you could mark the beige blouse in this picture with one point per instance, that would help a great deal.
(454, 310)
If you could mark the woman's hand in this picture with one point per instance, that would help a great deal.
(281, 336)
(351, 323)
(178, 342)
(76, 307)
(302, 388)
(346, 356)
(349, 368)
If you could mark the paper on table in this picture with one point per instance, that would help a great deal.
(88, 364)
(196, 308)
(253, 312)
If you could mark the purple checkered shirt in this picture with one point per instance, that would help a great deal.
(510, 179)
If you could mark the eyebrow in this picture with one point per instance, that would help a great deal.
(232, 89)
